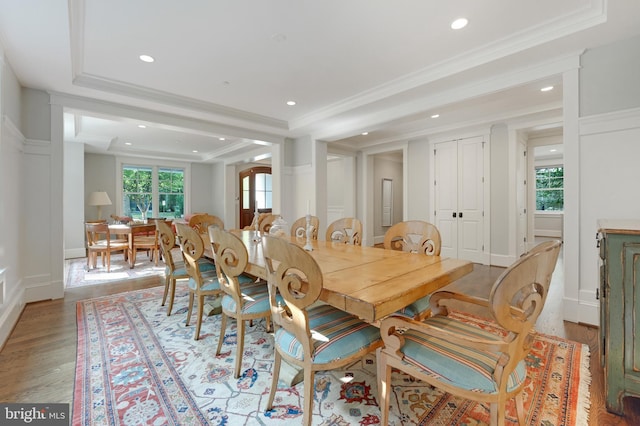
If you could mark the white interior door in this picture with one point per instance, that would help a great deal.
(521, 199)
(471, 199)
(446, 200)
(459, 197)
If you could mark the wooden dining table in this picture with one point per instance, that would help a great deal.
(129, 231)
(368, 282)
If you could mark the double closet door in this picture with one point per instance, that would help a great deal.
(459, 197)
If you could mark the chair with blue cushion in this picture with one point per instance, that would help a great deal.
(245, 298)
(201, 282)
(481, 364)
(309, 334)
(414, 236)
(174, 268)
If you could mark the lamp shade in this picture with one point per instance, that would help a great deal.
(99, 198)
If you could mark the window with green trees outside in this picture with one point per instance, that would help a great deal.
(550, 188)
(142, 197)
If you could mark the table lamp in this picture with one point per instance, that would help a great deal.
(99, 199)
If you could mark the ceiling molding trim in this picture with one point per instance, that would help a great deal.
(107, 85)
(136, 113)
(76, 35)
(229, 148)
(480, 123)
(247, 156)
(561, 26)
(554, 66)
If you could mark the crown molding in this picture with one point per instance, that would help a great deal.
(496, 83)
(182, 123)
(139, 92)
(559, 27)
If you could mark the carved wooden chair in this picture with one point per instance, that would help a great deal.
(245, 298)
(311, 335)
(299, 227)
(174, 268)
(347, 230)
(414, 236)
(100, 240)
(201, 283)
(265, 222)
(463, 359)
(202, 222)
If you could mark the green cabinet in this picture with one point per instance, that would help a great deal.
(619, 243)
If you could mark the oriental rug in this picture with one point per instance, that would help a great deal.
(138, 366)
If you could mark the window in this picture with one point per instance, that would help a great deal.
(263, 190)
(170, 192)
(550, 188)
(152, 191)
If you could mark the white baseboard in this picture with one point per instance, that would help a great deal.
(10, 313)
(41, 287)
(501, 260)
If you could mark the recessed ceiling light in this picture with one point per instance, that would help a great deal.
(435, 116)
(221, 139)
(364, 133)
(128, 143)
(146, 58)
(546, 89)
(142, 126)
(195, 150)
(291, 103)
(552, 150)
(459, 23)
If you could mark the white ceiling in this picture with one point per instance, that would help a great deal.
(225, 69)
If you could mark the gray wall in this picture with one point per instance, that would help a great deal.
(418, 185)
(500, 184)
(388, 169)
(99, 175)
(610, 78)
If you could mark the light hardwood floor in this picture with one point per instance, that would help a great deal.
(37, 364)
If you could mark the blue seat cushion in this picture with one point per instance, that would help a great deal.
(463, 367)
(205, 265)
(417, 307)
(255, 294)
(336, 334)
(209, 281)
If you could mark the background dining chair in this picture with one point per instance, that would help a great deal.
(100, 240)
(347, 230)
(174, 268)
(245, 298)
(201, 283)
(265, 222)
(201, 222)
(144, 238)
(480, 364)
(414, 236)
(299, 227)
(310, 335)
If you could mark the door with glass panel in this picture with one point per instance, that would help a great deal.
(255, 193)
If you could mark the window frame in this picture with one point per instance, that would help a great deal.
(536, 189)
(121, 162)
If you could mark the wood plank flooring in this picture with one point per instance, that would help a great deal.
(37, 364)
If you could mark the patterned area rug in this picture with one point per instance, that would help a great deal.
(137, 366)
(77, 275)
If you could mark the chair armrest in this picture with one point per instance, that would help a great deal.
(439, 298)
(393, 327)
